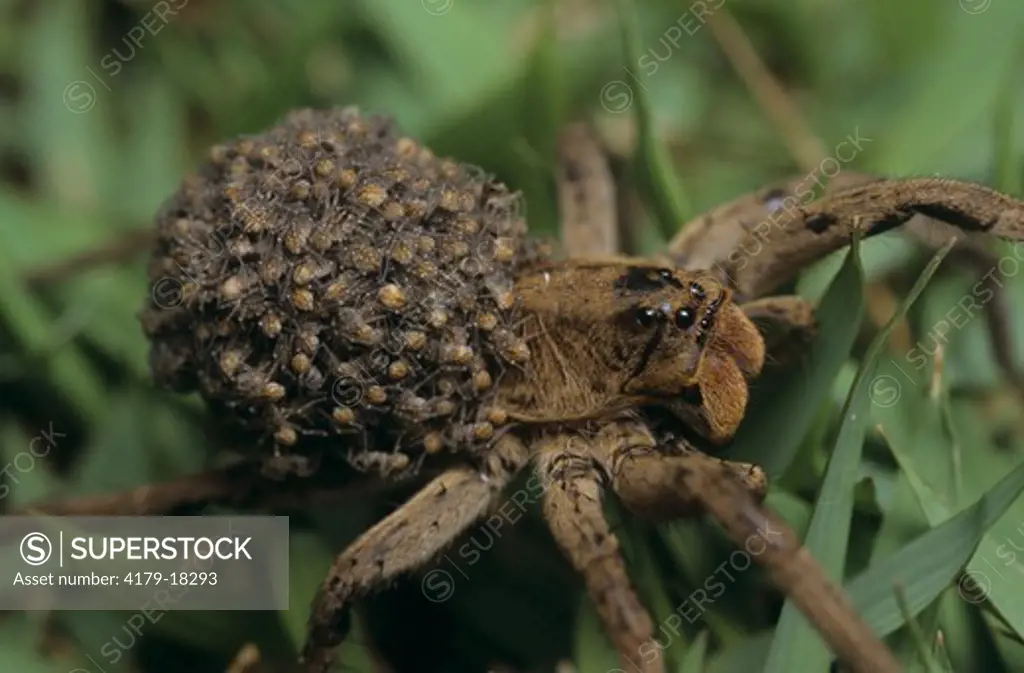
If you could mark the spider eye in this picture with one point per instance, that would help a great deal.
(698, 291)
(665, 273)
(705, 323)
(685, 318)
(648, 317)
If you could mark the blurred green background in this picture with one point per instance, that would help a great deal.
(105, 105)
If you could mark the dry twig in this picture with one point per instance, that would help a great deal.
(240, 486)
(115, 251)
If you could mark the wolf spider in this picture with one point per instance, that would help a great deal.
(638, 368)
(616, 341)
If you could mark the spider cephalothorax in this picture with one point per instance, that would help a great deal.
(330, 278)
(606, 337)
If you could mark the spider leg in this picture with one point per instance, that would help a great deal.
(797, 233)
(406, 539)
(706, 240)
(574, 513)
(709, 238)
(637, 463)
(586, 195)
(692, 476)
(743, 228)
(786, 322)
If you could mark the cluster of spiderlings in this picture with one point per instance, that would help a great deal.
(330, 277)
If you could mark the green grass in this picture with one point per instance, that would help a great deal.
(898, 477)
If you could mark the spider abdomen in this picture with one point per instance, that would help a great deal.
(330, 277)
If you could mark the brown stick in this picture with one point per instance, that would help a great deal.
(240, 486)
(123, 248)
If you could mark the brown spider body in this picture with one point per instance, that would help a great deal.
(336, 279)
(332, 280)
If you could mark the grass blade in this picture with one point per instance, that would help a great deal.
(928, 565)
(652, 166)
(65, 366)
(593, 652)
(796, 393)
(696, 655)
(796, 645)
